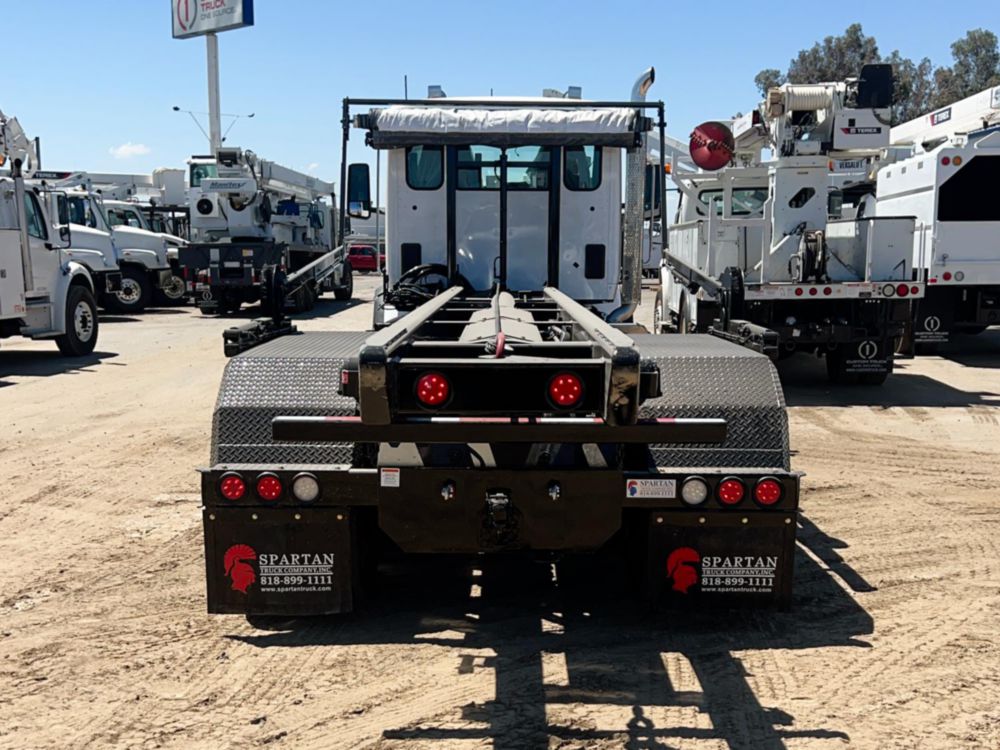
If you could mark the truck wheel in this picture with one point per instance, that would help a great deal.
(346, 290)
(81, 323)
(136, 291)
(173, 294)
(683, 324)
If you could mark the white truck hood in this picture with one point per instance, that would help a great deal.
(142, 245)
(92, 247)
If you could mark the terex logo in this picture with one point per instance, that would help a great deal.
(238, 567)
(187, 13)
(682, 568)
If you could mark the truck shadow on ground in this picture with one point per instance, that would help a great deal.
(982, 350)
(326, 307)
(805, 384)
(577, 661)
(42, 363)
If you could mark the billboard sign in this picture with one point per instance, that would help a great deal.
(198, 17)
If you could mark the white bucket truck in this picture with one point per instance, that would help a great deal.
(43, 293)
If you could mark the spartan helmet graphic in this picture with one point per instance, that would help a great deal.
(237, 567)
(681, 568)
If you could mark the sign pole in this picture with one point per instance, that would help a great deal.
(214, 110)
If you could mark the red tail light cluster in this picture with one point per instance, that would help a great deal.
(234, 488)
(433, 389)
(732, 491)
(565, 390)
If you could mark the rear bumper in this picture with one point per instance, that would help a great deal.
(290, 557)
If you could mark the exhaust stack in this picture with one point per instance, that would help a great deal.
(635, 175)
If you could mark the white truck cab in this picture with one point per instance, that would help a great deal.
(142, 255)
(44, 294)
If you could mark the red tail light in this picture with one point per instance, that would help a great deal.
(799, 291)
(827, 291)
(902, 290)
(433, 389)
(946, 276)
(565, 390)
(232, 487)
(731, 491)
(914, 290)
(768, 491)
(812, 291)
(269, 487)
(945, 160)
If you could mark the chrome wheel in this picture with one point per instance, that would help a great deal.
(83, 321)
(130, 293)
(175, 289)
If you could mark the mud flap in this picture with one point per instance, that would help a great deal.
(729, 559)
(866, 359)
(932, 324)
(276, 561)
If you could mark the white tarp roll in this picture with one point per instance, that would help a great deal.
(402, 125)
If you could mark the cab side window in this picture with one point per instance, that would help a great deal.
(36, 222)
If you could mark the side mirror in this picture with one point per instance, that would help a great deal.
(65, 236)
(359, 191)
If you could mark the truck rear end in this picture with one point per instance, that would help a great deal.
(958, 232)
(492, 412)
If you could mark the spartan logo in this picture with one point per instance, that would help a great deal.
(237, 565)
(932, 323)
(682, 568)
(187, 13)
(867, 349)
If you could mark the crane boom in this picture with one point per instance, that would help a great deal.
(976, 112)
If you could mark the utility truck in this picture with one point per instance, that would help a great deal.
(43, 293)
(944, 169)
(146, 275)
(507, 403)
(756, 257)
(262, 232)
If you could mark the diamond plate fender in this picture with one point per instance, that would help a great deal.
(295, 375)
(704, 376)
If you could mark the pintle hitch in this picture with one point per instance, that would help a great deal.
(501, 518)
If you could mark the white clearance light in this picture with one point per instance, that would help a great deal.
(305, 487)
(694, 491)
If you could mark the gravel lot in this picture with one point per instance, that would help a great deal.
(892, 641)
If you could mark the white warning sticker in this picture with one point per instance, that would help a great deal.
(658, 488)
(389, 477)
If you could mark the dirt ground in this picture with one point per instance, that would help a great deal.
(893, 640)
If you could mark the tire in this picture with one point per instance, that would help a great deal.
(81, 323)
(658, 313)
(346, 290)
(136, 292)
(173, 295)
(683, 324)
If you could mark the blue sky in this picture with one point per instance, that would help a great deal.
(97, 80)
